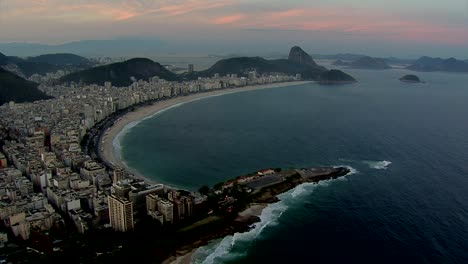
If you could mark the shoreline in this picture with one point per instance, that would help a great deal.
(113, 134)
(268, 195)
(254, 210)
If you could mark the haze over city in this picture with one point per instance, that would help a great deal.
(380, 28)
(233, 131)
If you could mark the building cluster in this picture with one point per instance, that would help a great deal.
(47, 179)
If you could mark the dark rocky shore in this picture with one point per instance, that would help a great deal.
(266, 195)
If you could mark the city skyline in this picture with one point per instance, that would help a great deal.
(376, 27)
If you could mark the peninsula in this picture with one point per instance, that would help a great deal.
(238, 204)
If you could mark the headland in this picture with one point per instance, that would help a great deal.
(240, 202)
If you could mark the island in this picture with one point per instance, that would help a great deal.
(428, 64)
(370, 63)
(410, 78)
(335, 77)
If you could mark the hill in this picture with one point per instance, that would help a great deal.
(427, 64)
(410, 78)
(47, 63)
(15, 88)
(29, 68)
(335, 77)
(299, 56)
(339, 56)
(367, 62)
(299, 62)
(61, 59)
(3, 59)
(120, 73)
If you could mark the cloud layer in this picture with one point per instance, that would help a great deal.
(64, 20)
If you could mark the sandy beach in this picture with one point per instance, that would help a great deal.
(111, 155)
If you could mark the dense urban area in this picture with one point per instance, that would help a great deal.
(52, 179)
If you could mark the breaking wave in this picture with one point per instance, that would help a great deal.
(235, 246)
(378, 165)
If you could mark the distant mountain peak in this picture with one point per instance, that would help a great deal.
(298, 55)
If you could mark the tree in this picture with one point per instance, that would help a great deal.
(204, 190)
(218, 185)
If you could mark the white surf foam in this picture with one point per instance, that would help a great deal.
(378, 165)
(232, 247)
(225, 249)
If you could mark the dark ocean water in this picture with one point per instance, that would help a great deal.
(407, 202)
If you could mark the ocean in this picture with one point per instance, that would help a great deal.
(405, 202)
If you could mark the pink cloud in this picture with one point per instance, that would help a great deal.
(289, 13)
(228, 19)
(190, 6)
(107, 10)
(370, 23)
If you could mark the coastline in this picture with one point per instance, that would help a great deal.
(119, 128)
(254, 210)
(251, 217)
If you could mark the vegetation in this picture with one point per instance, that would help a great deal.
(17, 89)
(410, 78)
(121, 73)
(242, 65)
(204, 190)
(3, 59)
(335, 77)
(47, 63)
(61, 59)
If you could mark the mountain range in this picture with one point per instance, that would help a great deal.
(120, 74)
(428, 64)
(111, 47)
(365, 62)
(125, 73)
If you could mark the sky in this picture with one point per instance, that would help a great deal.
(378, 27)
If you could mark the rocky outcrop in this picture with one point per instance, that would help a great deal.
(410, 78)
(296, 54)
(335, 77)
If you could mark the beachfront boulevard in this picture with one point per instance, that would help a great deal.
(54, 184)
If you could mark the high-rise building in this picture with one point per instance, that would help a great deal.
(190, 68)
(152, 202)
(166, 208)
(179, 209)
(189, 206)
(252, 75)
(119, 175)
(120, 213)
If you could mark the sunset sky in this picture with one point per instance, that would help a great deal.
(377, 26)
